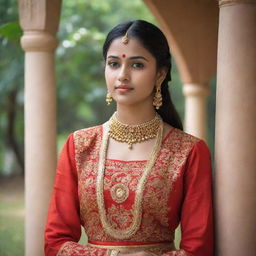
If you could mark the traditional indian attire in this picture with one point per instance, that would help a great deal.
(177, 190)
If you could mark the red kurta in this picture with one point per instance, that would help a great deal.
(178, 190)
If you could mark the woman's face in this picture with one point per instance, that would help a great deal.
(131, 73)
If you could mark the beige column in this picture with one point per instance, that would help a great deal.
(39, 20)
(235, 178)
(196, 109)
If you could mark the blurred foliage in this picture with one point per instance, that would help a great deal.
(11, 90)
(11, 31)
(79, 67)
(81, 86)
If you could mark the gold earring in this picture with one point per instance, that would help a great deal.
(158, 100)
(108, 98)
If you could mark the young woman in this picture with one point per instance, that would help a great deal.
(132, 180)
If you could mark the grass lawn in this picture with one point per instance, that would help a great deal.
(12, 217)
(11, 235)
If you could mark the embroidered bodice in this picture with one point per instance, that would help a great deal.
(177, 185)
(156, 225)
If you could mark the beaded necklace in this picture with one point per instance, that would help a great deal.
(137, 212)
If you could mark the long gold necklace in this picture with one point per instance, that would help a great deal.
(132, 134)
(137, 212)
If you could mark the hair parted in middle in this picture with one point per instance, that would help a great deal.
(152, 39)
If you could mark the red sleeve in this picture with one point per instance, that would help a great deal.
(197, 213)
(63, 227)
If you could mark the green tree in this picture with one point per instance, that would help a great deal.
(81, 86)
(11, 90)
(79, 66)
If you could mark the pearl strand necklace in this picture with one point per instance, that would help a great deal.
(137, 212)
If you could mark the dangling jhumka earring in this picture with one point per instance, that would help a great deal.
(158, 100)
(108, 98)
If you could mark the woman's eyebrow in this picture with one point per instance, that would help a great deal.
(113, 57)
(131, 58)
(138, 57)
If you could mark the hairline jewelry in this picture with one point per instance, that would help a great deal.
(125, 38)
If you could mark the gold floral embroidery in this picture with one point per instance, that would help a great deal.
(127, 173)
(167, 170)
(176, 253)
(75, 249)
(112, 253)
(161, 251)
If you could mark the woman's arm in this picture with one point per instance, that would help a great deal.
(63, 227)
(196, 214)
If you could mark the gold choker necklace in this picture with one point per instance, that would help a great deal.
(132, 134)
(137, 209)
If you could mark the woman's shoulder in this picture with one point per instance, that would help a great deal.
(87, 136)
(180, 140)
(88, 131)
(183, 147)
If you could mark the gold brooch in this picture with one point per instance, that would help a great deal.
(119, 193)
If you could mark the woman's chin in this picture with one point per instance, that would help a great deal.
(124, 103)
(121, 100)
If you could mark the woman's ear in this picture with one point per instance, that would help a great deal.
(161, 74)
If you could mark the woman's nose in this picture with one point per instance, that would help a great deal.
(123, 74)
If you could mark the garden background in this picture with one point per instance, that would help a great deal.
(80, 93)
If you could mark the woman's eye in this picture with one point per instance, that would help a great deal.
(113, 64)
(137, 65)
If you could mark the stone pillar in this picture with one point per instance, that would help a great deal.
(196, 109)
(39, 21)
(235, 177)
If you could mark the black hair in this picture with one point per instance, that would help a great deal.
(153, 39)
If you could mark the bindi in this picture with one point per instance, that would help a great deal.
(123, 55)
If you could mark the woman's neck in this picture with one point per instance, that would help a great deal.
(135, 114)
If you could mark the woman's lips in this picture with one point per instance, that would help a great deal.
(122, 88)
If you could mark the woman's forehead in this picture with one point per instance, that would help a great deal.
(133, 47)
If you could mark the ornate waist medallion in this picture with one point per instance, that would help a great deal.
(120, 192)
